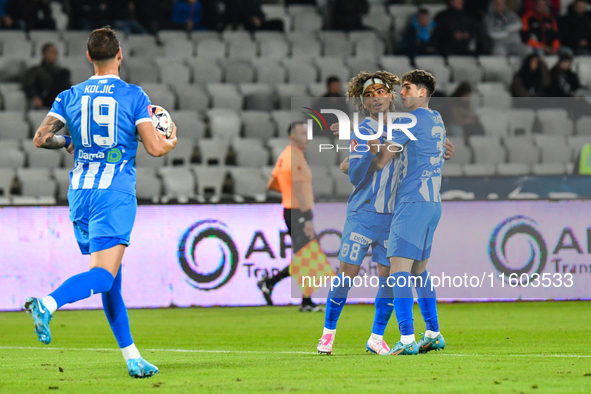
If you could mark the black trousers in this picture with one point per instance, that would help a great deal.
(296, 229)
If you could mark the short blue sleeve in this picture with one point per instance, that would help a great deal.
(57, 109)
(398, 136)
(142, 109)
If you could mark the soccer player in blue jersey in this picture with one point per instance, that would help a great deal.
(368, 210)
(102, 115)
(416, 214)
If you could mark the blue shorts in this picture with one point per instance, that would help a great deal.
(102, 218)
(364, 228)
(412, 229)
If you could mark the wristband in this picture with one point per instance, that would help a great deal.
(308, 215)
(68, 141)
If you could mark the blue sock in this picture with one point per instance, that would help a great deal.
(81, 286)
(337, 297)
(117, 313)
(384, 307)
(427, 302)
(403, 301)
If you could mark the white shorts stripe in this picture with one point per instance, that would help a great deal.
(107, 176)
(76, 174)
(93, 169)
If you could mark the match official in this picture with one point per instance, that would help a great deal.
(293, 179)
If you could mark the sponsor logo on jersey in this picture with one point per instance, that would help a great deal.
(90, 156)
(360, 239)
(114, 155)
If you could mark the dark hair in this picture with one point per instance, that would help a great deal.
(421, 78)
(332, 79)
(293, 125)
(423, 11)
(103, 44)
(46, 47)
(463, 89)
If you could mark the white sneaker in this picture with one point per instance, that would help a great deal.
(377, 347)
(325, 344)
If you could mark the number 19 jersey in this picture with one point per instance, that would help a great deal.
(102, 114)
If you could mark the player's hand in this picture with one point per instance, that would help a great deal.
(345, 165)
(172, 137)
(374, 146)
(309, 229)
(449, 149)
(70, 148)
(335, 128)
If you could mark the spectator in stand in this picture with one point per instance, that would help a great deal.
(248, 14)
(540, 30)
(89, 14)
(464, 121)
(529, 5)
(575, 28)
(455, 30)
(477, 9)
(333, 87)
(124, 16)
(565, 83)
(154, 15)
(44, 82)
(417, 38)
(187, 15)
(532, 79)
(503, 26)
(5, 19)
(347, 15)
(30, 14)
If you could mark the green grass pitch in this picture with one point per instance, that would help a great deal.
(524, 347)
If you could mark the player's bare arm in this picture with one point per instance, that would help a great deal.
(45, 136)
(155, 143)
(449, 149)
(345, 166)
(299, 195)
(273, 184)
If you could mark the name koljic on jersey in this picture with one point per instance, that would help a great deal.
(99, 89)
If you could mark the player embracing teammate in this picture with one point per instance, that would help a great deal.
(102, 115)
(375, 175)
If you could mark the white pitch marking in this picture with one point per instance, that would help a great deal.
(285, 352)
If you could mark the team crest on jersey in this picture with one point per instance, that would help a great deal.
(354, 145)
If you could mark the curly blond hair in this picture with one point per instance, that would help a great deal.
(355, 88)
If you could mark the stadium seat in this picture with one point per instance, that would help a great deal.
(12, 125)
(213, 151)
(307, 22)
(323, 184)
(159, 94)
(487, 149)
(14, 100)
(452, 169)
(175, 73)
(191, 97)
(142, 45)
(11, 157)
(213, 48)
(169, 36)
(257, 96)
(210, 181)
(555, 121)
(357, 64)
(179, 184)
(584, 125)
(300, 71)
(401, 14)
(335, 44)
(242, 49)
(494, 121)
(282, 120)
(330, 66)
(496, 69)
(465, 68)
(396, 62)
(258, 124)
(521, 121)
(304, 45)
(249, 182)
(80, 70)
(62, 177)
(42, 158)
(238, 70)
(479, 169)
(273, 49)
(494, 95)
(224, 123)
(549, 169)
(206, 70)
(41, 37)
(379, 19)
(434, 8)
(286, 92)
(277, 145)
(324, 157)
(576, 142)
(6, 180)
(148, 186)
(513, 169)
(462, 154)
(11, 143)
(178, 47)
(341, 181)
(269, 71)
(141, 70)
(12, 69)
(189, 124)
(367, 44)
(317, 89)
(15, 44)
(250, 152)
(76, 41)
(225, 96)
(144, 159)
(182, 154)
(36, 183)
(435, 65)
(556, 153)
(204, 35)
(522, 150)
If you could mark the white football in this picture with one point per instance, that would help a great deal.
(161, 120)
